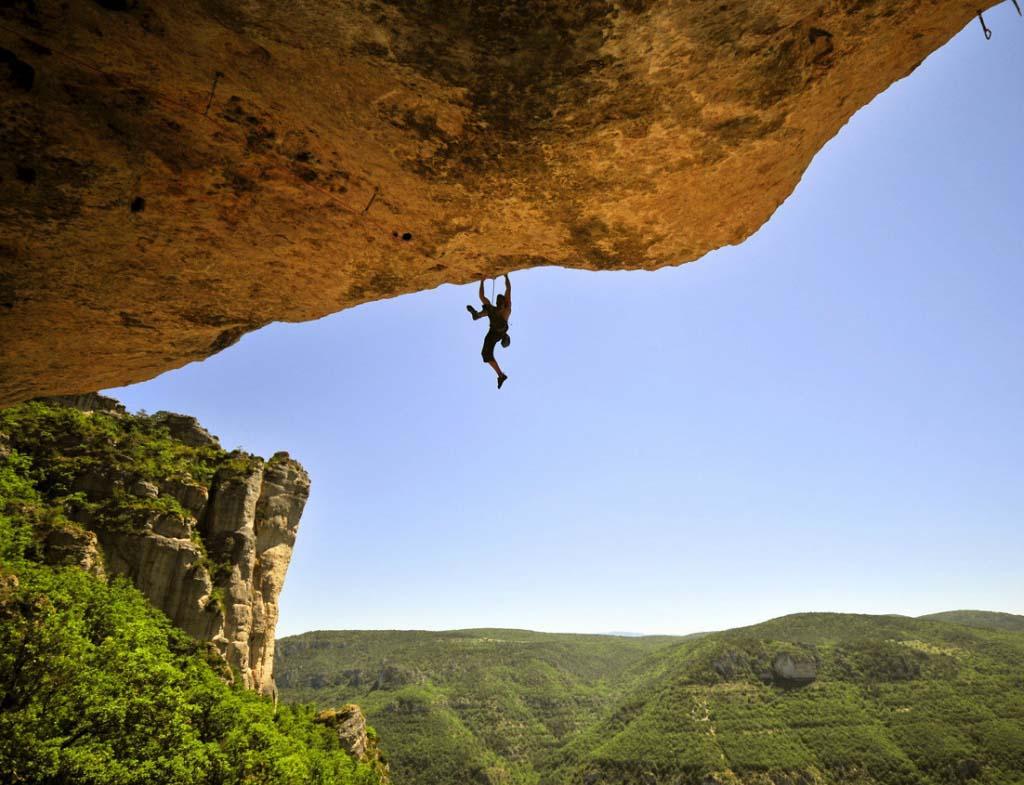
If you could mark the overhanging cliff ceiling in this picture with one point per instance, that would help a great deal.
(356, 150)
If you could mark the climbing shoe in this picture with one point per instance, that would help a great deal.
(501, 380)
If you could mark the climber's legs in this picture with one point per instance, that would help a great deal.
(490, 341)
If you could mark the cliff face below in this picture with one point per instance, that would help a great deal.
(206, 535)
(173, 175)
(228, 595)
(356, 737)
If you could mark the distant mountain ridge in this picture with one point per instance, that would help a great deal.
(625, 634)
(808, 698)
(991, 620)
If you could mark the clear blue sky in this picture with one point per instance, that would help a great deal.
(828, 417)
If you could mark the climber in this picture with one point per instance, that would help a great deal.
(498, 315)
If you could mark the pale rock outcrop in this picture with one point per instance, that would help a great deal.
(68, 546)
(186, 429)
(790, 669)
(145, 489)
(90, 402)
(217, 571)
(190, 495)
(392, 677)
(282, 498)
(349, 723)
(227, 594)
(171, 572)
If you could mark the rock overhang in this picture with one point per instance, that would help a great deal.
(175, 175)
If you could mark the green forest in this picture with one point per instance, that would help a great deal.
(96, 686)
(810, 698)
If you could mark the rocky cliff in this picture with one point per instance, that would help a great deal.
(175, 174)
(356, 737)
(205, 534)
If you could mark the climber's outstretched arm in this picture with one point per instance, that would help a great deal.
(508, 292)
(483, 297)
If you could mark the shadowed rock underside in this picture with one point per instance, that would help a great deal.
(173, 175)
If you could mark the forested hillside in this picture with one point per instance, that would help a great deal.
(484, 705)
(985, 619)
(811, 698)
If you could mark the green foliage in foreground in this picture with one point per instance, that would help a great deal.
(97, 688)
(62, 445)
(894, 700)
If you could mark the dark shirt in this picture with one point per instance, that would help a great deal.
(498, 322)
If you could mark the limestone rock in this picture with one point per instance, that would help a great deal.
(174, 175)
(282, 498)
(69, 546)
(190, 495)
(349, 723)
(88, 402)
(145, 489)
(186, 429)
(731, 664)
(173, 525)
(249, 528)
(170, 572)
(97, 483)
(791, 669)
(229, 596)
(217, 570)
(392, 677)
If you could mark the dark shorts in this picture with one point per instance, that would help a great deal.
(490, 341)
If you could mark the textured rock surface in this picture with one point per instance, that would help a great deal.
(72, 547)
(187, 429)
(349, 723)
(356, 150)
(788, 669)
(230, 598)
(218, 571)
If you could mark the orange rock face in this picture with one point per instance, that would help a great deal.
(152, 212)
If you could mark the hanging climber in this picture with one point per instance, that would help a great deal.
(498, 315)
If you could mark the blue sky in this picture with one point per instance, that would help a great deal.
(827, 417)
